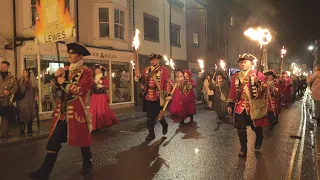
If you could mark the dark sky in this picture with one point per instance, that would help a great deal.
(297, 23)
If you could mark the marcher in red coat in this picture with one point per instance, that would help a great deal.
(272, 85)
(188, 97)
(71, 121)
(102, 115)
(245, 87)
(286, 89)
(177, 108)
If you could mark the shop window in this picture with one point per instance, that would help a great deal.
(119, 23)
(151, 28)
(196, 39)
(104, 26)
(121, 82)
(175, 35)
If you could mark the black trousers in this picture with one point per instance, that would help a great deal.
(58, 136)
(271, 118)
(242, 121)
(153, 109)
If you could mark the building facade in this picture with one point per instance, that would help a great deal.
(104, 26)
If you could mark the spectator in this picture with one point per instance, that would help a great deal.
(314, 81)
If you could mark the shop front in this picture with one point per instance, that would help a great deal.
(43, 59)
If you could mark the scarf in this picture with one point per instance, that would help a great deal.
(74, 66)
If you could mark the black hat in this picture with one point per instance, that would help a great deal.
(100, 67)
(270, 73)
(78, 49)
(246, 57)
(154, 55)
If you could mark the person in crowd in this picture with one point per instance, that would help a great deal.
(294, 87)
(272, 97)
(29, 93)
(244, 88)
(285, 89)
(314, 82)
(177, 109)
(102, 115)
(207, 92)
(156, 79)
(8, 87)
(188, 98)
(71, 120)
(221, 89)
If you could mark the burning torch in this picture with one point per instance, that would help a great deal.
(135, 45)
(169, 62)
(283, 54)
(263, 36)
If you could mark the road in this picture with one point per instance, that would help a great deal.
(204, 150)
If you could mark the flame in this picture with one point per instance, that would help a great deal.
(222, 64)
(64, 21)
(263, 36)
(169, 62)
(289, 73)
(215, 66)
(47, 70)
(201, 64)
(172, 64)
(133, 65)
(283, 52)
(113, 74)
(136, 41)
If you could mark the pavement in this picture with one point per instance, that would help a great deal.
(205, 150)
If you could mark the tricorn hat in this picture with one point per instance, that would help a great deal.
(246, 57)
(270, 73)
(154, 55)
(76, 48)
(100, 67)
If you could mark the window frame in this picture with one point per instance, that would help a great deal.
(178, 29)
(99, 35)
(119, 23)
(193, 43)
(152, 18)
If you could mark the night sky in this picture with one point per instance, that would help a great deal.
(297, 23)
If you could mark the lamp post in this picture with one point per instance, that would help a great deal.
(283, 54)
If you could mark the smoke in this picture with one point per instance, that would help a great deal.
(257, 12)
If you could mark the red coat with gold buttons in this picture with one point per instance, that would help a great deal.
(71, 109)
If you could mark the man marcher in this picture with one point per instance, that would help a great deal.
(285, 89)
(71, 122)
(244, 89)
(8, 86)
(273, 87)
(156, 79)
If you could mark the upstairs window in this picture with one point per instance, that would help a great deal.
(119, 24)
(104, 23)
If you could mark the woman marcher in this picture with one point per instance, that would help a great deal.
(314, 81)
(176, 108)
(207, 92)
(221, 89)
(188, 96)
(285, 89)
(28, 92)
(102, 115)
(272, 97)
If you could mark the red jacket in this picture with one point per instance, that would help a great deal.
(77, 85)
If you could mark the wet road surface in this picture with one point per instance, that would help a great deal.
(204, 150)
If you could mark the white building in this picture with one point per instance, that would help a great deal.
(105, 27)
(152, 18)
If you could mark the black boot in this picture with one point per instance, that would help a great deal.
(22, 128)
(45, 169)
(191, 119)
(30, 131)
(259, 138)
(181, 122)
(150, 124)
(164, 126)
(242, 134)
(87, 162)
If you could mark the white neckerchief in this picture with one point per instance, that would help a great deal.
(245, 73)
(97, 78)
(74, 66)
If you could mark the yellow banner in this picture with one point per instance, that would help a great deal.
(53, 21)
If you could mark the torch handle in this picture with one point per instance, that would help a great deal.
(259, 62)
(136, 61)
(281, 68)
(167, 102)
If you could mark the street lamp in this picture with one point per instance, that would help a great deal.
(310, 48)
(283, 54)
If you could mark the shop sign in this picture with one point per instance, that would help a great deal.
(53, 21)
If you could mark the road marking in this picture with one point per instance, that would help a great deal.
(295, 148)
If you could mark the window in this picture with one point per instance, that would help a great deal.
(175, 35)
(232, 21)
(119, 17)
(104, 27)
(151, 28)
(121, 82)
(33, 12)
(196, 39)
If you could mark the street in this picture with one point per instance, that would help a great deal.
(206, 149)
